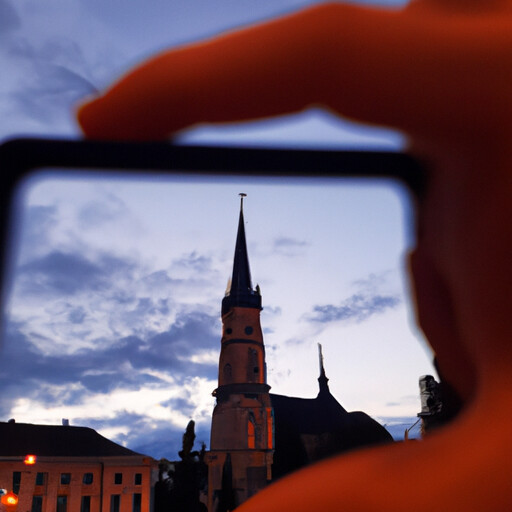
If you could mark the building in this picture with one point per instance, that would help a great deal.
(242, 432)
(257, 437)
(76, 470)
(310, 429)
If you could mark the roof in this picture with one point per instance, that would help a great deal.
(18, 439)
(308, 430)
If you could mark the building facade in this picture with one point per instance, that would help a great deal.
(76, 470)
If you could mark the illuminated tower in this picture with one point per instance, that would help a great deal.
(241, 445)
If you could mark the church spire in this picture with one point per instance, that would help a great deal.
(322, 380)
(240, 292)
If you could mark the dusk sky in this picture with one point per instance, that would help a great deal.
(114, 316)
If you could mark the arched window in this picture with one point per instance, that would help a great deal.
(228, 377)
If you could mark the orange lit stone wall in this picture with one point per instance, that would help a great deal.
(242, 422)
(100, 490)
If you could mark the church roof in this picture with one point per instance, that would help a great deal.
(20, 439)
(311, 429)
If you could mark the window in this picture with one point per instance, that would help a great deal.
(137, 500)
(248, 330)
(118, 478)
(37, 504)
(138, 479)
(41, 478)
(65, 478)
(227, 373)
(62, 503)
(251, 437)
(86, 504)
(115, 501)
(16, 480)
(88, 478)
(253, 368)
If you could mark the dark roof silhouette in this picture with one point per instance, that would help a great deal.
(20, 439)
(311, 429)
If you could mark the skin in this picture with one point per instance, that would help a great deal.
(441, 72)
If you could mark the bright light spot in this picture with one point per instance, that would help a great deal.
(30, 460)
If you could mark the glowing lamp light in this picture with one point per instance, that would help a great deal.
(30, 459)
(9, 499)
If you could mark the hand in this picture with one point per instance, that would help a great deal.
(441, 72)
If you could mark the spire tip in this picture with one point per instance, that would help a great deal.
(242, 195)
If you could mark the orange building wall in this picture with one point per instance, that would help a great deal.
(235, 346)
(100, 490)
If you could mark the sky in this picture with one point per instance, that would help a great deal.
(113, 320)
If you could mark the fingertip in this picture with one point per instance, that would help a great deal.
(87, 114)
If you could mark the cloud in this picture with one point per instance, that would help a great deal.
(49, 62)
(67, 273)
(45, 84)
(357, 307)
(373, 296)
(116, 373)
(193, 261)
(287, 246)
(37, 223)
(77, 315)
(373, 282)
(95, 213)
(9, 18)
(397, 425)
(127, 363)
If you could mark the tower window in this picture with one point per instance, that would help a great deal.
(229, 330)
(248, 330)
(228, 374)
(253, 369)
(251, 435)
(65, 478)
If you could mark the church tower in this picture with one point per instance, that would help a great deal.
(241, 444)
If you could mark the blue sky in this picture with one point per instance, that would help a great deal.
(114, 314)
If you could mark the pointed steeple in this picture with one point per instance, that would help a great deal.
(240, 292)
(322, 380)
(241, 278)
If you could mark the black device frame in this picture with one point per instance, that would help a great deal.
(19, 158)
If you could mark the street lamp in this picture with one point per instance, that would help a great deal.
(10, 500)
